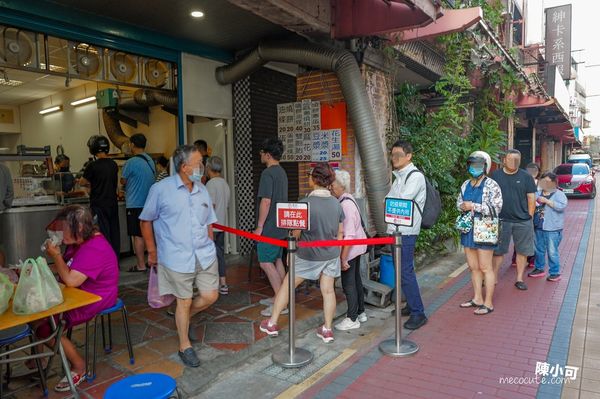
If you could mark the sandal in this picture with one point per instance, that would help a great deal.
(63, 385)
(483, 310)
(470, 304)
(224, 289)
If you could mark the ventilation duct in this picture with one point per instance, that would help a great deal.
(115, 132)
(344, 65)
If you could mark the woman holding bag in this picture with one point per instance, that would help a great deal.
(480, 197)
(90, 264)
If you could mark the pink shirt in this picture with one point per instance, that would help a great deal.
(352, 226)
(96, 259)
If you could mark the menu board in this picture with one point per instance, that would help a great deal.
(299, 128)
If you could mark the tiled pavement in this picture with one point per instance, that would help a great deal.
(465, 356)
(228, 328)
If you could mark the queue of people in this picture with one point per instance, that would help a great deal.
(172, 217)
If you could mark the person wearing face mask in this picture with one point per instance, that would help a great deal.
(549, 221)
(479, 195)
(63, 175)
(518, 193)
(176, 226)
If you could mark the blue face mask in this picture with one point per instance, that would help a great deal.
(475, 172)
(196, 175)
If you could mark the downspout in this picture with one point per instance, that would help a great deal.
(343, 64)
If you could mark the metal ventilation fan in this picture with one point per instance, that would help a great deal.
(86, 60)
(123, 67)
(156, 73)
(17, 48)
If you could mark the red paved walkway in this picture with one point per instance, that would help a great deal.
(463, 355)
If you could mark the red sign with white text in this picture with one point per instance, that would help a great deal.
(293, 215)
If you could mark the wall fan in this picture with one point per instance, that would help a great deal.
(17, 48)
(86, 60)
(123, 67)
(156, 73)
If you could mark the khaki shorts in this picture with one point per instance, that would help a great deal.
(181, 285)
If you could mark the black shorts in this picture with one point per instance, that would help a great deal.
(133, 222)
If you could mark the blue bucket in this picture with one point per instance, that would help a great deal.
(387, 273)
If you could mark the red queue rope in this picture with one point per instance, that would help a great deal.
(306, 244)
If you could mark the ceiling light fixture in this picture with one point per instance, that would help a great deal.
(197, 14)
(51, 109)
(83, 101)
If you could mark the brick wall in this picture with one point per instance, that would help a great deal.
(324, 87)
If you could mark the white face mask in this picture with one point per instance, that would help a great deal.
(56, 238)
(197, 174)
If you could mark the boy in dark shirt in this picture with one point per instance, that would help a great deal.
(101, 176)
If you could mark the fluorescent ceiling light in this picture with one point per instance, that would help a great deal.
(51, 109)
(197, 14)
(10, 82)
(83, 101)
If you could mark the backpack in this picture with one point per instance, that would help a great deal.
(433, 203)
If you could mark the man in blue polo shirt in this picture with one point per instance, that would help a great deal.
(176, 226)
(137, 177)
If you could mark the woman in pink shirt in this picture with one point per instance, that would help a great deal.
(90, 264)
(350, 257)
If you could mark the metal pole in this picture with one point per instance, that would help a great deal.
(397, 347)
(293, 357)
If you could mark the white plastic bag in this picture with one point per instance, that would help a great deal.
(37, 290)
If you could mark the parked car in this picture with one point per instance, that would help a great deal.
(580, 158)
(576, 180)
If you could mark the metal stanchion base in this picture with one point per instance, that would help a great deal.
(407, 348)
(302, 357)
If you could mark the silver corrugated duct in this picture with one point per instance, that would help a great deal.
(344, 65)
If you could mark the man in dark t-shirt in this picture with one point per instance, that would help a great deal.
(101, 176)
(518, 196)
(273, 188)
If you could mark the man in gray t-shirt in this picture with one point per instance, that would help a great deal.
(273, 188)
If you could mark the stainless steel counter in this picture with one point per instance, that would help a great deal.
(23, 230)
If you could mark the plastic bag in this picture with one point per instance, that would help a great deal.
(37, 290)
(6, 290)
(155, 300)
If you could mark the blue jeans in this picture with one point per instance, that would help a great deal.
(547, 242)
(410, 286)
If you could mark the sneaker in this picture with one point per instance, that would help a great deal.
(272, 330)
(415, 322)
(189, 357)
(325, 334)
(224, 289)
(347, 324)
(537, 273)
(266, 301)
(553, 277)
(362, 317)
(268, 312)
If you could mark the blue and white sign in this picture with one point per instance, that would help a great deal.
(399, 211)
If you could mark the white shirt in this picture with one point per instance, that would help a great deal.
(219, 194)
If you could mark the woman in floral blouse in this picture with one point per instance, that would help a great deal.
(479, 195)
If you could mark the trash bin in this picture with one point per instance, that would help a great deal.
(387, 274)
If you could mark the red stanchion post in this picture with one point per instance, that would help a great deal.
(293, 357)
(397, 347)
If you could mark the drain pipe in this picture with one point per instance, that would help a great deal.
(343, 64)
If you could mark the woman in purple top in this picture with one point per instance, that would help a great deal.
(90, 264)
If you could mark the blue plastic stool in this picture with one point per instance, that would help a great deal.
(11, 336)
(119, 306)
(143, 386)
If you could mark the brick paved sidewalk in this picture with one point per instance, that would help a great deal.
(465, 356)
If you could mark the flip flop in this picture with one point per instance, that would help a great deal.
(485, 309)
(470, 304)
